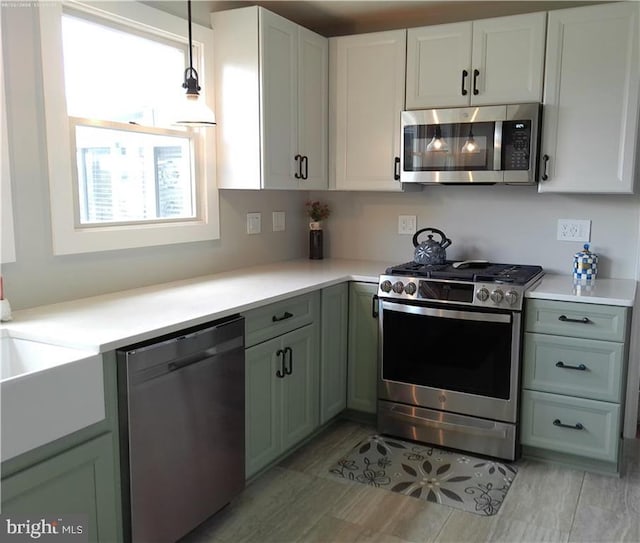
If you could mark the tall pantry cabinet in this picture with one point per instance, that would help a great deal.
(271, 101)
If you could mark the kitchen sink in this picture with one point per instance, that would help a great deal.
(46, 392)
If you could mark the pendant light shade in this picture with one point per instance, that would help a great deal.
(193, 111)
(437, 143)
(470, 145)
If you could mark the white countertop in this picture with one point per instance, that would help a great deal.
(110, 321)
(602, 291)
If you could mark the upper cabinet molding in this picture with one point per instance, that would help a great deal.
(590, 120)
(271, 101)
(490, 61)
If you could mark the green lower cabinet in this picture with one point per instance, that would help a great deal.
(577, 426)
(363, 348)
(77, 481)
(281, 411)
(333, 351)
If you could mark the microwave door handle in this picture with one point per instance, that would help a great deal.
(497, 147)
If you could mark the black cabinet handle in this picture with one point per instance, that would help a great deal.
(282, 371)
(286, 316)
(298, 159)
(304, 161)
(396, 168)
(545, 164)
(583, 320)
(463, 91)
(576, 426)
(476, 73)
(288, 370)
(374, 306)
(561, 364)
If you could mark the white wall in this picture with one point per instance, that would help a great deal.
(497, 223)
(38, 277)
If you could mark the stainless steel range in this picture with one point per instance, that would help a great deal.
(450, 354)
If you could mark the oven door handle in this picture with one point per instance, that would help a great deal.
(452, 426)
(447, 313)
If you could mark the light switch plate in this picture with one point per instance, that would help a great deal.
(254, 223)
(278, 219)
(406, 224)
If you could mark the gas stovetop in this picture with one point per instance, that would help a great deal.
(477, 283)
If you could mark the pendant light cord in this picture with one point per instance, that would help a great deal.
(190, 43)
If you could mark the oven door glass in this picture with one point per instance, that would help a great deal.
(463, 351)
(450, 147)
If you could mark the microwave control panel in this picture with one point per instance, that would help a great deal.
(516, 145)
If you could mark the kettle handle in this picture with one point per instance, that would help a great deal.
(445, 240)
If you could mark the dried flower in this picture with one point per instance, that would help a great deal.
(316, 210)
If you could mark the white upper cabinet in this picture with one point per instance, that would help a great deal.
(590, 119)
(490, 61)
(271, 102)
(366, 100)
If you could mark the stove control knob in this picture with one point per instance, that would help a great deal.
(511, 297)
(410, 288)
(482, 294)
(398, 287)
(385, 286)
(496, 296)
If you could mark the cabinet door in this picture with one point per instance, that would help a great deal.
(367, 97)
(590, 117)
(333, 349)
(262, 416)
(279, 130)
(363, 349)
(438, 66)
(508, 54)
(79, 481)
(300, 388)
(313, 102)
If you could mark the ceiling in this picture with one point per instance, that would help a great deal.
(338, 17)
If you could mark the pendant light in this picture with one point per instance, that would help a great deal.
(470, 145)
(193, 112)
(437, 143)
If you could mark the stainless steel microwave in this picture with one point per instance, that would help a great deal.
(471, 145)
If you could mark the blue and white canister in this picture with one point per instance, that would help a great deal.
(585, 265)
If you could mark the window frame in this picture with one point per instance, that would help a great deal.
(71, 237)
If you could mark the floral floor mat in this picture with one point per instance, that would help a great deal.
(459, 480)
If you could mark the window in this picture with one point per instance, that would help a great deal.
(124, 177)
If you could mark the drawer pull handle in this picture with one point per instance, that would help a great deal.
(286, 316)
(577, 426)
(561, 364)
(583, 320)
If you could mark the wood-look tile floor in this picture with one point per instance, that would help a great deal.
(297, 501)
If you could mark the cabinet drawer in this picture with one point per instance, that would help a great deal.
(598, 425)
(576, 367)
(589, 321)
(280, 317)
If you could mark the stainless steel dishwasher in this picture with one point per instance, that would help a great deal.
(181, 410)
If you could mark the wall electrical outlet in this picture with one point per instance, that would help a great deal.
(254, 223)
(407, 224)
(277, 218)
(574, 230)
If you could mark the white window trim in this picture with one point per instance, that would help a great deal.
(68, 238)
(7, 238)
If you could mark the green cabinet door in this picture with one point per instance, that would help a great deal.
(77, 481)
(363, 348)
(280, 411)
(262, 409)
(333, 351)
(301, 387)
